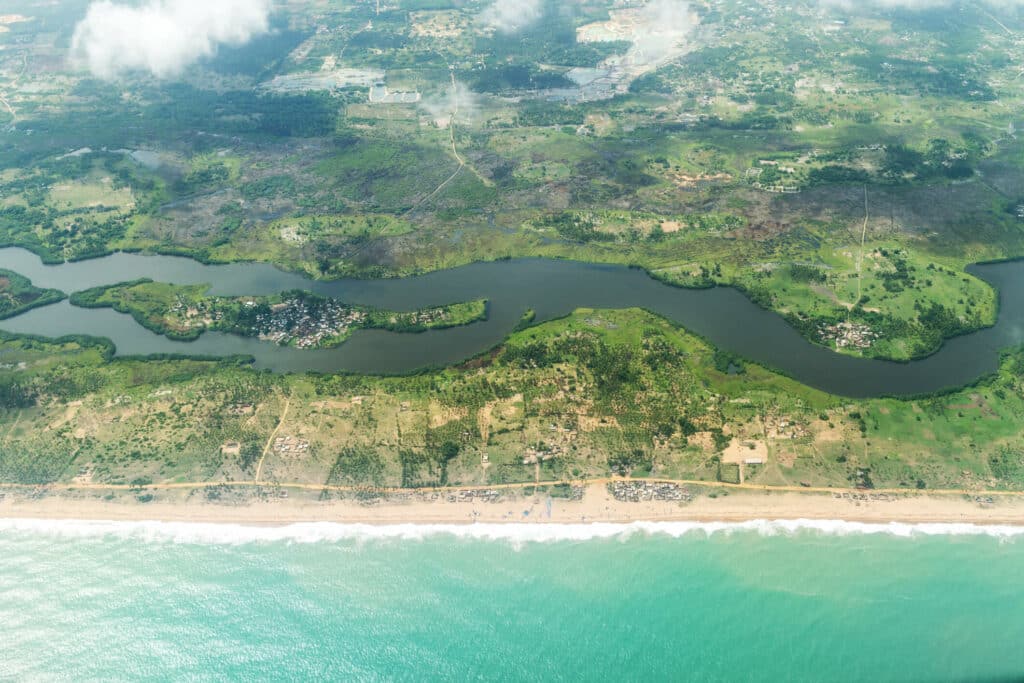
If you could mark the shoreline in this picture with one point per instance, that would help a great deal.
(596, 507)
(868, 383)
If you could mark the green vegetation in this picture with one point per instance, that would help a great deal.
(840, 165)
(594, 393)
(292, 318)
(764, 186)
(17, 295)
(900, 306)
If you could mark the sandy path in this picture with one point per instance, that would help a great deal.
(455, 151)
(863, 238)
(270, 441)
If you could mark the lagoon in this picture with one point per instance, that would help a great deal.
(550, 288)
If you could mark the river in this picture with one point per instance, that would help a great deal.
(551, 288)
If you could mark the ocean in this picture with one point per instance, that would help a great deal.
(762, 601)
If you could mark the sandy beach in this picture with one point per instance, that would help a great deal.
(597, 505)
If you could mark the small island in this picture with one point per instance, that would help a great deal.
(17, 295)
(296, 318)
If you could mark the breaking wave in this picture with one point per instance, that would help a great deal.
(518, 534)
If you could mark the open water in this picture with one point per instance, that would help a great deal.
(722, 315)
(755, 602)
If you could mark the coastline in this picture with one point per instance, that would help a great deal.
(597, 507)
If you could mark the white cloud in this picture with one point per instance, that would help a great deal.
(162, 36)
(661, 27)
(511, 16)
(458, 103)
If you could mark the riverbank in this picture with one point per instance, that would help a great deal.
(596, 505)
(722, 316)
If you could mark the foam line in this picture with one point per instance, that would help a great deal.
(319, 532)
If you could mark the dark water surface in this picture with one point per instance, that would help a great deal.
(551, 288)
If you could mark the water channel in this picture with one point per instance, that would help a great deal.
(551, 288)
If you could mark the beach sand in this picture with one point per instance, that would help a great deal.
(597, 505)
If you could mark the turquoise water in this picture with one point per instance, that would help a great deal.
(761, 602)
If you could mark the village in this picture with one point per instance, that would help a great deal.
(847, 335)
(771, 176)
(644, 491)
(300, 320)
(308, 322)
(305, 323)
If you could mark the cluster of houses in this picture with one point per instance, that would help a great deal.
(643, 491)
(290, 445)
(543, 452)
(848, 335)
(424, 318)
(757, 173)
(194, 313)
(307, 325)
(880, 497)
(783, 428)
(312, 323)
(474, 495)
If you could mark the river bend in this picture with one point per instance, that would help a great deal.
(551, 288)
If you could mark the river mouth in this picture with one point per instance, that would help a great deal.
(550, 288)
